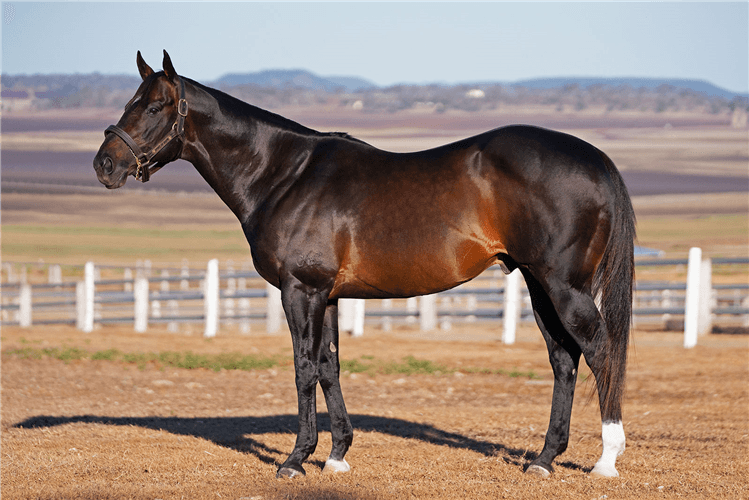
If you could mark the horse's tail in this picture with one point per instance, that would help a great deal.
(612, 288)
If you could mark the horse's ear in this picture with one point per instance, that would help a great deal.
(144, 69)
(168, 67)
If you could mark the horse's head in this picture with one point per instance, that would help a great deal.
(150, 132)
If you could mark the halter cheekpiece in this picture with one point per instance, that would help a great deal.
(144, 160)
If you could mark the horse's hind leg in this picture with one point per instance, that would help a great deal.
(582, 320)
(340, 424)
(564, 355)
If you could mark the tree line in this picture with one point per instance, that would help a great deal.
(106, 91)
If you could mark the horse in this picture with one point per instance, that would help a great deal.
(328, 216)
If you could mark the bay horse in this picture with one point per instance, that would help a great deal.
(328, 216)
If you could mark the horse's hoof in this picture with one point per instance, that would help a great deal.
(538, 471)
(604, 470)
(289, 473)
(336, 466)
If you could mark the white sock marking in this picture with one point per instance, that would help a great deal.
(612, 434)
(336, 466)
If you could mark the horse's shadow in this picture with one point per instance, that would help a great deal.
(235, 432)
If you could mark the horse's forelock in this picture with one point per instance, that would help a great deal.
(143, 89)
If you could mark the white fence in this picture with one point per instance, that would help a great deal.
(213, 299)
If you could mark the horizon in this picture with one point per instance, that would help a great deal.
(662, 80)
(390, 43)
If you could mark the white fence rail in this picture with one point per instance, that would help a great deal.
(182, 298)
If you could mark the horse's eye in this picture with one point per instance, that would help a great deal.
(152, 110)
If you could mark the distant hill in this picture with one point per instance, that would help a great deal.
(298, 87)
(352, 83)
(636, 83)
(57, 81)
(294, 78)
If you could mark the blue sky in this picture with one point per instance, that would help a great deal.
(387, 42)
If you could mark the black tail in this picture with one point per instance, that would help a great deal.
(614, 281)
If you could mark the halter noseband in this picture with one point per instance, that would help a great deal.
(144, 160)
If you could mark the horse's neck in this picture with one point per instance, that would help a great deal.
(247, 155)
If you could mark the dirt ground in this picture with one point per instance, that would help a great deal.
(106, 428)
(111, 429)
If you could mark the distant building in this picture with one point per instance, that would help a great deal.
(475, 94)
(739, 118)
(16, 99)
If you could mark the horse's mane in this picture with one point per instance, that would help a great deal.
(343, 135)
(267, 116)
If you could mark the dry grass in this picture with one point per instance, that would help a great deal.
(108, 429)
(84, 428)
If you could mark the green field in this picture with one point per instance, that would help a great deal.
(68, 244)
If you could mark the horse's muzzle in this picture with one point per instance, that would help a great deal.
(105, 172)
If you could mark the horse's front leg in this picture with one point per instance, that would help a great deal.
(330, 369)
(305, 311)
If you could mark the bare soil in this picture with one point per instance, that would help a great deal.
(109, 429)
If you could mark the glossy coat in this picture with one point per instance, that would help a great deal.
(328, 216)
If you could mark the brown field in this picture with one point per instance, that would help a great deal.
(108, 428)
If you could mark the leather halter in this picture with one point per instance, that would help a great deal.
(144, 160)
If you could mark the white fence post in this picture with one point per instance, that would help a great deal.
(351, 316)
(243, 304)
(412, 306)
(512, 306)
(184, 273)
(707, 301)
(244, 311)
(210, 299)
(164, 286)
(387, 321)
(24, 306)
(359, 312)
(692, 305)
(12, 278)
(472, 304)
(55, 274)
(127, 277)
(88, 297)
(447, 306)
(428, 312)
(346, 315)
(172, 307)
(666, 303)
(80, 304)
(140, 299)
(231, 289)
(274, 309)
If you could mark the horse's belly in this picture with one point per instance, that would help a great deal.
(393, 270)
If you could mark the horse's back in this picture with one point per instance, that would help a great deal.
(417, 223)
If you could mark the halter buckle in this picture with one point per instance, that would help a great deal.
(182, 107)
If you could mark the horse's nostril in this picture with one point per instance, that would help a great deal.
(107, 165)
